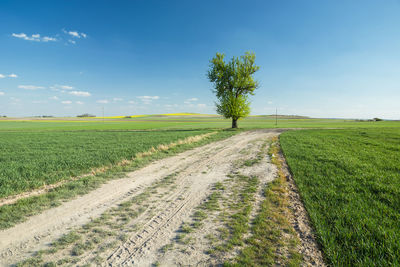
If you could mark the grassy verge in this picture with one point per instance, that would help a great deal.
(349, 181)
(18, 212)
(273, 240)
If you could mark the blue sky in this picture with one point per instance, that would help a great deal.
(316, 58)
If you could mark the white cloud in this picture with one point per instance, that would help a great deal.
(49, 39)
(80, 93)
(25, 37)
(2, 93)
(57, 87)
(66, 102)
(149, 97)
(34, 37)
(12, 75)
(19, 35)
(66, 87)
(104, 101)
(75, 34)
(201, 105)
(131, 102)
(39, 102)
(53, 98)
(72, 41)
(79, 102)
(116, 99)
(269, 103)
(30, 87)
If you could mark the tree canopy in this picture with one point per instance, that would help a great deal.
(233, 83)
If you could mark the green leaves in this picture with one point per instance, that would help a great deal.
(230, 106)
(233, 82)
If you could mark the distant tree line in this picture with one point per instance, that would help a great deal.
(43, 116)
(86, 115)
(374, 119)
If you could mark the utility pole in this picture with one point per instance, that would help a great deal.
(276, 117)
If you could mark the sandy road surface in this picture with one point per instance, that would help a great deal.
(196, 170)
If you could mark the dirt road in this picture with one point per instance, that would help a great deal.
(161, 197)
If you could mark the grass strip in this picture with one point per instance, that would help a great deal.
(273, 240)
(19, 211)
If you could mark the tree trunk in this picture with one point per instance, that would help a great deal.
(234, 123)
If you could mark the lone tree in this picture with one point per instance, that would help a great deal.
(233, 83)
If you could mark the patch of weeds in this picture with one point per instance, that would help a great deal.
(197, 224)
(187, 240)
(167, 247)
(211, 237)
(64, 261)
(219, 186)
(180, 237)
(102, 232)
(250, 162)
(186, 228)
(212, 201)
(66, 240)
(34, 261)
(223, 233)
(199, 215)
(80, 248)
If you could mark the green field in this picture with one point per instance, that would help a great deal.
(184, 122)
(348, 178)
(31, 159)
(44, 151)
(349, 181)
